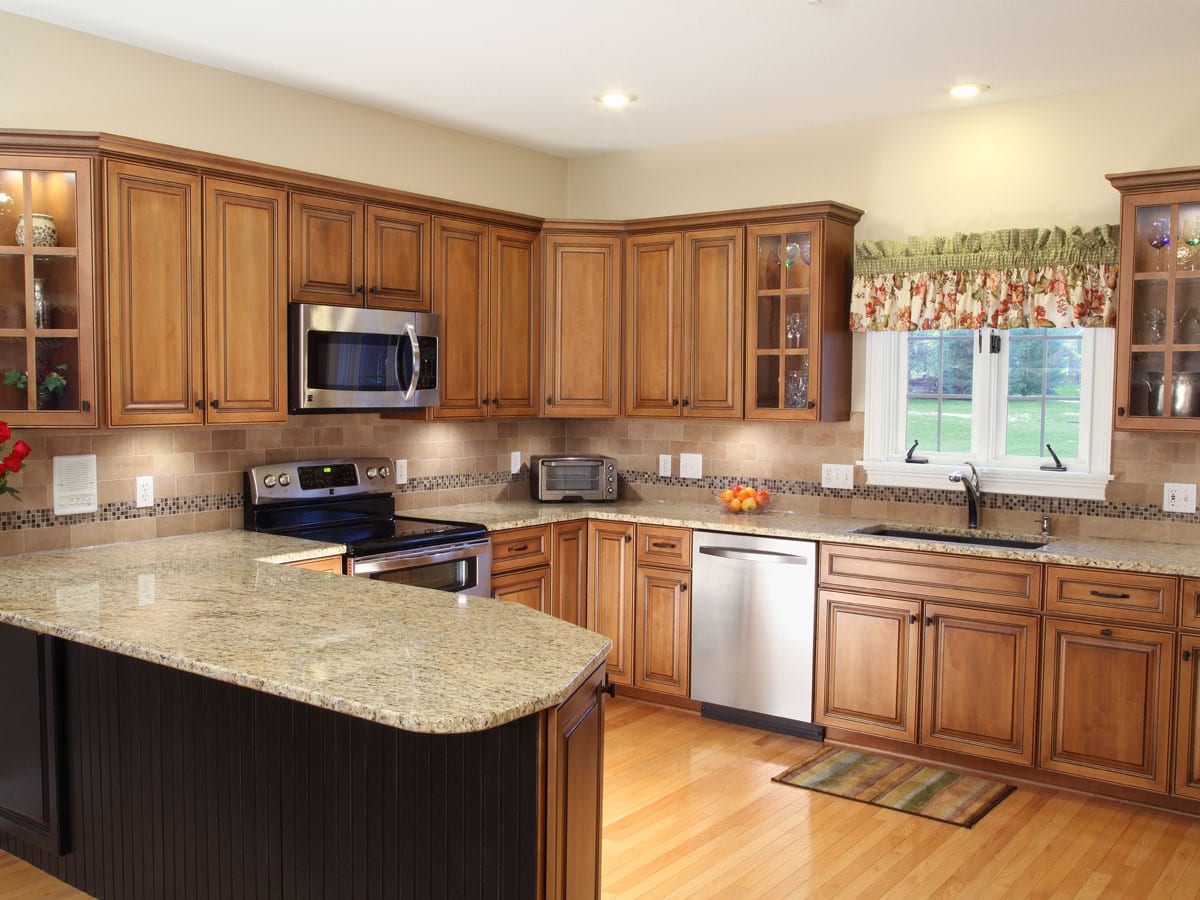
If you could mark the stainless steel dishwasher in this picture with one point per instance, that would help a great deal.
(753, 623)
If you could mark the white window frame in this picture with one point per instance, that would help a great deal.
(885, 403)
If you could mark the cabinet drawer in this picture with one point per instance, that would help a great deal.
(662, 545)
(520, 548)
(1189, 613)
(1108, 594)
(928, 575)
(530, 588)
(323, 564)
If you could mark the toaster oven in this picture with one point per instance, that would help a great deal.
(566, 479)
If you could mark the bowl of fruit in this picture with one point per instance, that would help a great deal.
(742, 498)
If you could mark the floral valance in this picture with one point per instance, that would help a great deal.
(1016, 278)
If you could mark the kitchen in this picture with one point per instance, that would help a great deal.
(1056, 179)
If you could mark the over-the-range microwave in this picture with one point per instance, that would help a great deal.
(350, 359)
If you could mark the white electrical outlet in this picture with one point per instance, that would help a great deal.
(1179, 498)
(145, 491)
(514, 465)
(839, 478)
(690, 465)
(402, 471)
(664, 465)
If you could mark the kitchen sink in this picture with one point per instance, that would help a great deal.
(953, 537)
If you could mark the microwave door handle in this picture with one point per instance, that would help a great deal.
(416, 360)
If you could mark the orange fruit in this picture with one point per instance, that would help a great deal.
(735, 505)
(745, 492)
(726, 496)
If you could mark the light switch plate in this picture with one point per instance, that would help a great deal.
(837, 477)
(664, 465)
(1179, 498)
(515, 464)
(690, 465)
(402, 471)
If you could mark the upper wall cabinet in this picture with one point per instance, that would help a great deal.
(355, 254)
(47, 372)
(1158, 319)
(798, 278)
(582, 324)
(683, 323)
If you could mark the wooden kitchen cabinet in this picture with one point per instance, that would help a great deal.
(460, 287)
(1106, 695)
(662, 631)
(1112, 595)
(1158, 319)
(569, 571)
(867, 664)
(529, 587)
(611, 585)
(47, 302)
(521, 564)
(979, 682)
(1189, 609)
(352, 253)
(1187, 723)
(332, 564)
(683, 323)
(581, 324)
(155, 325)
(798, 277)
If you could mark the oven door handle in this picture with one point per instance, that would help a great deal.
(416, 362)
(389, 562)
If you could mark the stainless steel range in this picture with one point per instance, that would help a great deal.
(349, 501)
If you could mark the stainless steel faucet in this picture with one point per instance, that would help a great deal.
(971, 484)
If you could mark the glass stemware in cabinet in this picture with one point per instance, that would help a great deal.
(1160, 239)
(1191, 239)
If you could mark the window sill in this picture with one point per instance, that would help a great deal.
(1028, 482)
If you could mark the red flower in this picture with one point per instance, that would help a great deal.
(13, 462)
(3, 469)
(20, 449)
(5, 434)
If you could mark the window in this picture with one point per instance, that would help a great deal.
(996, 398)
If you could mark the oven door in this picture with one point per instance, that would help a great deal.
(462, 568)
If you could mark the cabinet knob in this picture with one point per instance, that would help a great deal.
(549, 401)
(628, 538)
(487, 400)
(683, 589)
(675, 402)
(215, 404)
(85, 405)
(1187, 655)
(1106, 632)
(811, 405)
(609, 688)
(374, 290)
(1120, 410)
(495, 401)
(929, 620)
(687, 402)
(361, 289)
(199, 404)
(912, 619)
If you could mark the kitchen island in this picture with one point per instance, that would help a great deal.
(214, 724)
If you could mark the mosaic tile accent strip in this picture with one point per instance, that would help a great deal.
(452, 482)
(18, 519)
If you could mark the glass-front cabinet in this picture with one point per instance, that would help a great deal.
(47, 374)
(1158, 322)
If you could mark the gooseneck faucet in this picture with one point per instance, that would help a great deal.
(971, 483)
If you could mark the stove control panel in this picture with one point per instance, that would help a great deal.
(276, 482)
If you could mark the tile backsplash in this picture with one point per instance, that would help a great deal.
(198, 473)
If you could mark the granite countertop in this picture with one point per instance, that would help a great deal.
(218, 605)
(1133, 556)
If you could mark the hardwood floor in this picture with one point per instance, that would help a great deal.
(690, 811)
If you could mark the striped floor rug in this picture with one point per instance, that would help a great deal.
(895, 784)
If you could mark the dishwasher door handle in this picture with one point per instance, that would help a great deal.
(759, 556)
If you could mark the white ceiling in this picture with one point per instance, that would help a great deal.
(525, 71)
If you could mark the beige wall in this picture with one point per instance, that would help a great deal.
(65, 80)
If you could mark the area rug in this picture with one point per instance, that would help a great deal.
(895, 784)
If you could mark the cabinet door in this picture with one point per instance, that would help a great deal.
(653, 324)
(460, 283)
(30, 799)
(245, 308)
(155, 325)
(568, 567)
(610, 597)
(662, 631)
(979, 682)
(713, 357)
(513, 333)
(326, 235)
(1106, 694)
(47, 296)
(582, 325)
(399, 250)
(1189, 610)
(574, 793)
(867, 654)
(1187, 725)
(530, 587)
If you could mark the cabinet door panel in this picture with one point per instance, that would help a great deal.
(326, 250)
(867, 652)
(662, 631)
(979, 682)
(569, 581)
(653, 324)
(530, 587)
(1105, 698)
(245, 314)
(459, 296)
(1187, 727)
(155, 327)
(399, 250)
(713, 355)
(610, 596)
(513, 325)
(1189, 612)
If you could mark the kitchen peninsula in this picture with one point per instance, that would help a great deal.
(213, 723)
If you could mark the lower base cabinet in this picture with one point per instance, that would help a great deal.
(611, 583)
(662, 631)
(530, 588)
(568, 571)
(1187, 726)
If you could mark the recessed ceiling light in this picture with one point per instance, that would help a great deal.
(615, 99)
(967, 91)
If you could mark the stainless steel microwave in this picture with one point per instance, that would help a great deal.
(563, 479)
(350, 359)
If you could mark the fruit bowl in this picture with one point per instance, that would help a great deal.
(743, 499)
